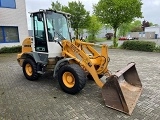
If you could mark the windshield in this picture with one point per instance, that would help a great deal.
(57, 26)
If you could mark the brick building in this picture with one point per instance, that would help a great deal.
(13, 22)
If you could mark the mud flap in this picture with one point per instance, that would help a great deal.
(122, 90)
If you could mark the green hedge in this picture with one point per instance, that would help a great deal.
(139, 45)
(157, 49)
(14, 49)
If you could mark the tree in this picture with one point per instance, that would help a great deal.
(124, 29)
(151, 24)
(94, 27)
(57, 6)
(156, 25)
(136, 26)
(117, 12)
(145, 24)
(81, 32)
(79, 16)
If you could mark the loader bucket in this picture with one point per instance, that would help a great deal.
(122, 90)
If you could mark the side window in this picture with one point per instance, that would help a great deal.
(39, 28)
(9, 34)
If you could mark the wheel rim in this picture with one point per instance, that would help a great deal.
(68, 79)
(28, 69)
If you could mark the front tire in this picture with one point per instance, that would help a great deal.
(30, 69)
(71, 78)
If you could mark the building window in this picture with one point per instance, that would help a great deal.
(8, 3)
(1, 35)
(9, 34)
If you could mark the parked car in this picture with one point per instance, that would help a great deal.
(129, 38)
(135, 38)
(132, 38)
(123, 38)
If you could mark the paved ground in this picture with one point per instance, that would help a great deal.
(43, 99)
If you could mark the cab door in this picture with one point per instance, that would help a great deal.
(40, 39)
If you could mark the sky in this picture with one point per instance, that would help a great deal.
(150, 8)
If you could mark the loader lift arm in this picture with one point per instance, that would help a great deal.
(88, 62)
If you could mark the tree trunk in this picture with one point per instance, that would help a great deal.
(77, 33)
(115, 43)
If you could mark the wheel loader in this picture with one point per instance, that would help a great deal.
(73, 61)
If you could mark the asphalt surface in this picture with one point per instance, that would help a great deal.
(21, 99)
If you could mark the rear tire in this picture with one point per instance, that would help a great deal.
(71, 78)
(30, 69)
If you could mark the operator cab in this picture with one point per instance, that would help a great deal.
(49, 28)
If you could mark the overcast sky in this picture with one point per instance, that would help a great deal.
(150, 8)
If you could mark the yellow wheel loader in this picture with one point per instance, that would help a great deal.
(71, 61)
